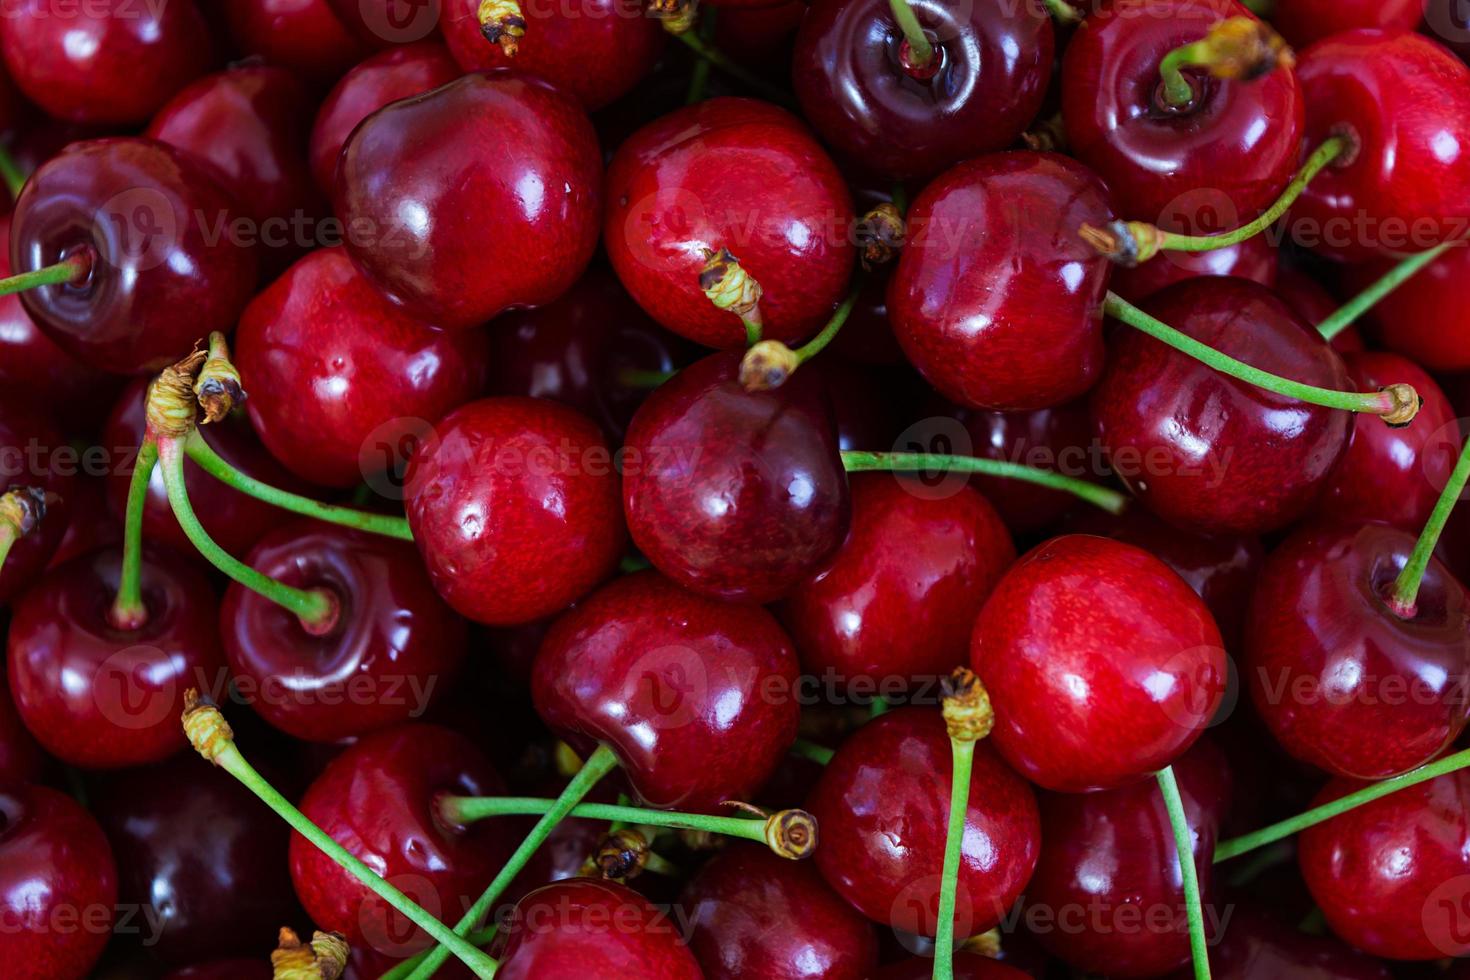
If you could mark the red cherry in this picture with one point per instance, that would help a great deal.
(303, 35)
(867, 337)
(85, 65)
(733, 494)
(1307, 297)
(1427, 319)
(55, 869)
(1305, 21)
(342, 381)
(514, 504)
(13, 108)
(1255, 258)
(967, 966)
(700, 180)
(975, 335)
(32, 454)
(1102, 663)
(21, 760)
(480, 196)
(1258, 947)
(882, 804)
(697, 697)
(756, 916)
(383, 23)
(92, 526)
(1341, 680)
(103, 698)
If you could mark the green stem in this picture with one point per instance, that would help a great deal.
(963, 753)
(819, 754)
(74, 269)
(1184, 845)
(878, 708)
(1062, 12)
(467, 809)
(1245, 843)
(643, 378)
(920, 50)
(733, 68)
(1393, 279)
(599, 764)
(216, 466)
(1406, 587)
(829, 332)
(699, 78)
(862, 462)
(900, 196)
(128, 611)
(753, 327)
(8, 537)
(10, 173)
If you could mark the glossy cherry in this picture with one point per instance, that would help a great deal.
(857, 84)
(1255, 259)
(343, 382)
(303, 35)
(733, 494)
(699, 180)
(967, 966)
(882, 804)
(1304, 21)
(478, 197)
(1257, 946)
(34, 454)
(58, 885)
(975, 335)
(697, 697)
(514, 505)
(21, 760)
(1427, 319)
(1102, 663)
(384, 23)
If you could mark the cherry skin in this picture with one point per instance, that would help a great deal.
(900, 122)
(733, 494)
(55, 867)
(377, 800)
(1258, 947)
(31, 455)
(514, 505)
(21, 760)
(303, 35)
(1303, 22)
(1339, 678)
(917, 562)
(161, 280)
(483, 195)
(1255, 259)
(975, 335)
(1405, 101)
(967, 966)
(1427, 319)
(1102, 664)
(697, 697)
(386, 77)
(82, 65)
(699, 180)
(341, 380)
(882, 804)
(384, 23)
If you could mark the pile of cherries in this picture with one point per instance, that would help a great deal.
(743, 490)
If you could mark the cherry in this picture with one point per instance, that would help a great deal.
(1390, 875)
(697, 697)
(759, 36)
(82, 65)
(733, 494)
(1307, 297)
(1426, 319)
(383, 23)
(974, 335)
(480, 196)
(377, 800)
(343, 381)
(857, 83)
(1342, 680)
(93, 525)
(31, 455)
(514, 504)
(386, 77)
(1258, 947)
(1255, 258)
(868, 336)
(58, 885)
(159, 279)
(698, 181)
(882, 804)
(240, 969)
(21, 760)
(13, 108)
(967, 966)
(1108, 890)
(303, 35)
(1114, 680)
(756, 916)
(1306, 21)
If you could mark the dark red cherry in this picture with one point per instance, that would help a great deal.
(1257, 946)
(1392, 876)
(342, 382)
(1427, 319)
(1311, 301)
(1305, 21)
(697, 697)
(377, 800)
(975, 334)
(33, 454)
(100, 697)
(514, 505)
(967, 966)
(1203, 450)
(1231, 151)
(237, 969)
(1102, 663)
(393, 642)
(989, 72)
(756, 916)
(166, 272)
(58, 886)
(733, 494)
(1339, 678)
(760, 37)
(21, 760)
(918, 561)
(478, 197)
(1108, 892)
(1255, 259)
(383, 23)
(303, 35)
(92, 525)
(397, 73)
(85, 64)
(1405, 185)
(700, 180)
(882, 804)
(867, 337)
(13, 107)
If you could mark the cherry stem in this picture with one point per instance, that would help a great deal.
(829, 332)
(1405, 596)
(770, 363)
(467, 809)
(1236, 47)
(856, 461)
(819, 754)
(128, 611)
(599, 764)
(920, 50)
(1184, 845)
(11, 173)
(699, 78)
(216, 466)
(74, 269)
(1397, 404)
(643, 378)
(21, 509)
(733, 68)
(316, 609)
(962, 752)
(1393, 279)
(1062, 11)
(8, 537)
